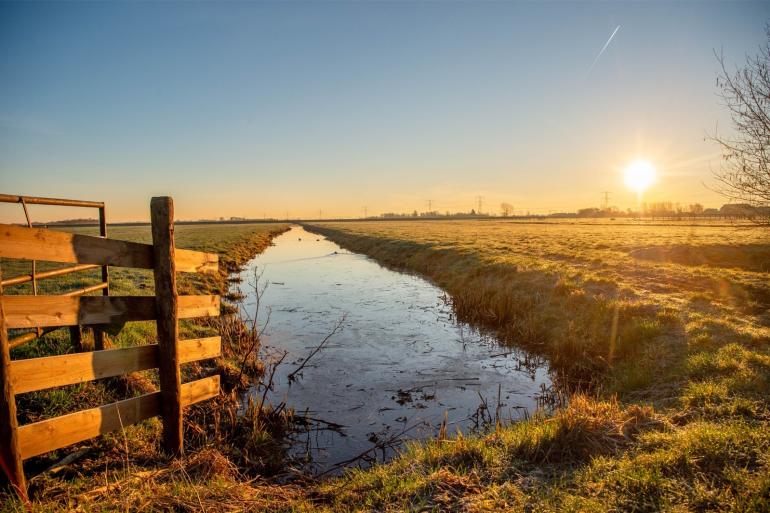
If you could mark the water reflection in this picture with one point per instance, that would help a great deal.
(398, 366)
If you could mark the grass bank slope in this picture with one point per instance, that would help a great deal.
(665, 327)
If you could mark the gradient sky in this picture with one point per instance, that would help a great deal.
(252, 109)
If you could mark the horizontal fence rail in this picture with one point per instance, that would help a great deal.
(48, 311)
(74, 248)
(86, 290)
(49, 435)
(21, 339)
(35, 200)
(35, 374)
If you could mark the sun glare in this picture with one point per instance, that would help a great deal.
(639, 175)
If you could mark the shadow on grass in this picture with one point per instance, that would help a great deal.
(748, 257)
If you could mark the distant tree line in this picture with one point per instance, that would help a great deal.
(430, 214)
(667, 209)
(661, 209)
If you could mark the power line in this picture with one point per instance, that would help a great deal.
(430, 205)
(480, 200)
(606, 195)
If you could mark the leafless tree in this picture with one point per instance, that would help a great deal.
(506, 209)
(744, 175)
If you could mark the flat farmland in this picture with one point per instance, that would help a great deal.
(638, 260)
(659, 334)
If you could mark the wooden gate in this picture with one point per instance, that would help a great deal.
(18, 443)
(35, 276)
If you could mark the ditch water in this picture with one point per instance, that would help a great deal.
(399, 363)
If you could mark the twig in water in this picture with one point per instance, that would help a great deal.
(337, 327)
(332, 425)
(269, 384)
(255, 334)
(390, 442)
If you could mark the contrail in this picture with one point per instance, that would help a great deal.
(603, 48)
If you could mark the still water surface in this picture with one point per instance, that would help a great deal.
(400, 363)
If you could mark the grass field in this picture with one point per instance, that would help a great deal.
(660, 333)
(665, 329)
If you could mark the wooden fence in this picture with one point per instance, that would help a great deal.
(34, 276)
(18, 443)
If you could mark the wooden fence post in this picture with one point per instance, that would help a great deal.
(162, 216)
(101, 341)
(9, 435)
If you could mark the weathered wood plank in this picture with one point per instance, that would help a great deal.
(199, 390)
(52, 434)
(55, 246)
(167, 322)
(195, 349)
(198, 306)
(54, 371)
(45, 311)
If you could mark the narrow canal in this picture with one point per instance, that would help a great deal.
(397, 367)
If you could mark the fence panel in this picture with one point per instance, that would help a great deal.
(74, 309)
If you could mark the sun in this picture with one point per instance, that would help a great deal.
(639, 175)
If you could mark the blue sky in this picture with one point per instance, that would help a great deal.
(252, 109)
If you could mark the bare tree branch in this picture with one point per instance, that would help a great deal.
(337, 327)
(744, 174)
